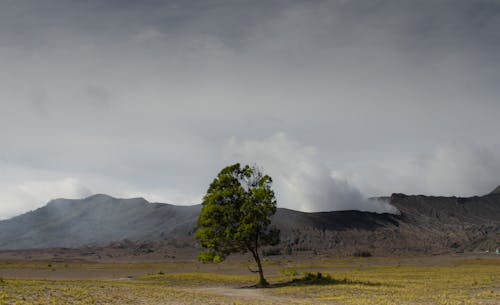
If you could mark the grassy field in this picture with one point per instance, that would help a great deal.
(425, 280)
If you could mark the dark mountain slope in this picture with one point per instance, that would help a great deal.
(289, 220)
(472, 210)
(443, 223)
(425, 225)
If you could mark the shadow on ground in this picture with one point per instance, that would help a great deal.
(313, 279)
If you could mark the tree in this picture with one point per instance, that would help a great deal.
(236, 215)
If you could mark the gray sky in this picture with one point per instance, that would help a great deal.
(337, 100)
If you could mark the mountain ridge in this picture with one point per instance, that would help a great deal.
(426, 224)
(496, 190)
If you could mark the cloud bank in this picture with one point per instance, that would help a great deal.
(141, 97)
(453, 169)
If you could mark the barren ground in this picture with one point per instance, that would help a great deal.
(443, 279)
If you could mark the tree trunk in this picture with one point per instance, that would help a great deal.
(262, 280)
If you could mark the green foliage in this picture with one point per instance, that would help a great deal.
(321, 279)
(236, 214)
(315, 279)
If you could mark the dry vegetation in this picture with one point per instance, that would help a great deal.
(428, 280)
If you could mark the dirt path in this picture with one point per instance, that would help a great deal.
(236, 292)
(73, 274)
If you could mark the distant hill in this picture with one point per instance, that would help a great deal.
(95, 220)
(425, 225)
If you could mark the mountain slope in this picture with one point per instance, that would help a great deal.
(98, 219)
(426, 225)
(496, 190)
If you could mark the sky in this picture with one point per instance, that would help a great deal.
(338, 101)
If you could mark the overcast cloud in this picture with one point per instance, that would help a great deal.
(152, 98)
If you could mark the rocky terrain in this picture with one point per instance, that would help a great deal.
(425, 225)
(103, 224)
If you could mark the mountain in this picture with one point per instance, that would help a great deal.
(95, 220)
(425, 224)
(496, 191)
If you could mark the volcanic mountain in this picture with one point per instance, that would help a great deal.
(496, 191)
(425, 224)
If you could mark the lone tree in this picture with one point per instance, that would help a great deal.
(236, 215)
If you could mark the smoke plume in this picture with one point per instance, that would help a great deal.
(301, 181)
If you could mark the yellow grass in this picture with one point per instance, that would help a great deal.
(355, 281)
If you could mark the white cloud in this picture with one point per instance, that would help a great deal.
(24, 188)
(166, 195)
(160, 86)
(449, 169)
(301, 181)
(458, 169)
(20, 197)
